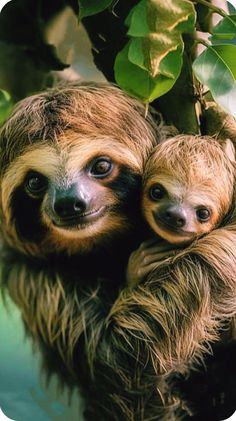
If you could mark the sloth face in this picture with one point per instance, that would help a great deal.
(71, 160)
(188, 188)
(69, 197)
(178, 214)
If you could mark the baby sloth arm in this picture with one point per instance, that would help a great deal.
(147, 257)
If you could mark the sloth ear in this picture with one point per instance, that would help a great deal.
(229, 149)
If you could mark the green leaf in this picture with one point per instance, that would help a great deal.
(137, 20)
(171, 65)
(231, 8)
(188, 25)
(5, 105)
(92, 7)
(150, 54)
(225, 31)
(156, 28)
(216, 68)
(161, 16)
(151, 62)
(139, 83)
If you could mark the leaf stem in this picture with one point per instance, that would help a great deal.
(202, 41)
(211, 6)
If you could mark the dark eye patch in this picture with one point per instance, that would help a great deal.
(26, 215)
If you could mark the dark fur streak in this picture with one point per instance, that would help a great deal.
(26, 214)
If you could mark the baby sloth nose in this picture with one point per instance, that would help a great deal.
(174, 216)
(69, 204)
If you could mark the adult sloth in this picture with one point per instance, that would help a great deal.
(71, 161)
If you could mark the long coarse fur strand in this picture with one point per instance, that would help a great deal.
(133, 343)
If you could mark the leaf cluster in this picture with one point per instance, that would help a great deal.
(216, 66)
(153, 57)
(150, 63)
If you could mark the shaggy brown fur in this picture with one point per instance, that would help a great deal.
(194, 173)
(126, 343)
(188, 188)
(126, 350)
(55, 139)
(52, 142)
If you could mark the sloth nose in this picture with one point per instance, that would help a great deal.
(174, 216)
(69, 203)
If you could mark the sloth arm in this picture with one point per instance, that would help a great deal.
(181, 306)
(154, 329)
(164, 326)
(146, 258)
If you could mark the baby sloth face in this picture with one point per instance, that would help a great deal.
(188, 187)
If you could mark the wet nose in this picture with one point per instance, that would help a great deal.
(69, 203)
(174, 216)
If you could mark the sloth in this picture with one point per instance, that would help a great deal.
(71, 161)
(178, 304)
(188, 188)
(71, 164)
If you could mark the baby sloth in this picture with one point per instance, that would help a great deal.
(188, 188)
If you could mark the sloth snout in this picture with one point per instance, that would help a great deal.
(173, 216)
(69, 203)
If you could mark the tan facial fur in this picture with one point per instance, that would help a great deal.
(187, 174)
(58, 135)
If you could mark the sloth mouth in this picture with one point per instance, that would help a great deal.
(79, 221)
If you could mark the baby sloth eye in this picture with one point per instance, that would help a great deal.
(203, 214)
(102, 167)
(157, 192)
(36, 183)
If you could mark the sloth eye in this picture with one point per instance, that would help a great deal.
(203, 214)
(157, 192)
(36, 183)
(101, 167)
